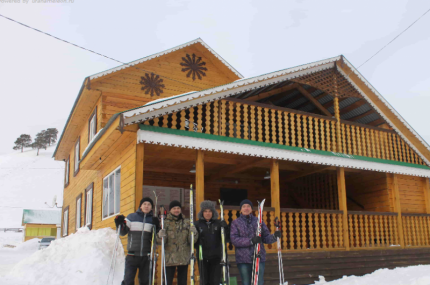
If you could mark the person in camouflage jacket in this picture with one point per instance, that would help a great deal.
(177, 238)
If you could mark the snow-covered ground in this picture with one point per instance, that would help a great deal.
(9, 257)
(10, 238)
(81, 258)
(28, 181)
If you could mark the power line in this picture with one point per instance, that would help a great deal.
(102, 55)
(395, 38)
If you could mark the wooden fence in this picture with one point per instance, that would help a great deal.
(416, 229)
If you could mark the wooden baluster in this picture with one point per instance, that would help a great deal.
(328, 132)
(333, 136)
(174, 120)
(383, 145)
(305, 132)
(377, 143)
(223, 121)
(245, 122)
(281, 128)
(260, 124)
(369, 145)
(231, 128)
(266, 124)
(253, 130)
(293, 130)
(156, 121)
(377, 231)
(372, 142)
(340, 229)
(362, 234)
(417, 225)
(208, 129)
(335, 231)
(329, 231)
(422, 232)
(317, 232)
(311, 133)
(389, 235)
(359, 138)
(414, 229)
(287, 128)
(238, 121)
(426, 229)
(401, 149)
(351, 231)
(372, 231)
(322, 134)
(183, 118)
(383, 229)
(274, 125)
(405, 147)
(357, 233)
(365, 142)
(216, 115)
(406, 231)
(323, 231)
(304, 242)
(354, 141)
(299, 240)
(199, 118)
(311, 231)
(291, 234)
(348, 133)
(343, 150)
(299, 131)
(395, 232)
(284, 240)
(366, 229)
(396, 155)
(390, 147)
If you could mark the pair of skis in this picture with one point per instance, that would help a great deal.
(153, 255)
(257, 249)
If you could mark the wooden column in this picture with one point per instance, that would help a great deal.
(341, 188)
(138, 178)
(338, 134)
(274, 187)
(200, 179)
(398, 209)
(427, 194)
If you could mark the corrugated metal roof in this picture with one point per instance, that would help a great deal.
(368, 119)
(325, 99)
(46, 217)
(347, 102)
(356, 112)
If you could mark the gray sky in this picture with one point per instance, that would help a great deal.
(40, 77)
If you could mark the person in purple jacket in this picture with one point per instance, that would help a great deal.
(244, 237)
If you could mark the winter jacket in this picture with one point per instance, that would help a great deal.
(139, 227)
(243, 229)
(210, 238)
(177, 243)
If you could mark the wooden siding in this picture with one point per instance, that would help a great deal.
(411, 190)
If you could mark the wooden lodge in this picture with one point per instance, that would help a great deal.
(345, 173)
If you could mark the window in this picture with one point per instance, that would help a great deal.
(233, 197)
(77, 155)
(65, 221)
(67, 168)
(92, 126)
(111, 193)
(78, 211)
(89, 206)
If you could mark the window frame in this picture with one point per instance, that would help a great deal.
(67, 173)
(93, 115)
(103, 189)
(77, 144)
(79, 197)
(65, 228)
(89, 188)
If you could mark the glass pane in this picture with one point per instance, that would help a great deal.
(117, 189)
(111, 195)
(105, 197)
(89, 208)
(78, 214)
(53, 232)
(66, 217)
(67, 172)
(77, 157)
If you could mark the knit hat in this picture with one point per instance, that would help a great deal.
(246, 201)
(146, 199)
(205, 205)
(175, 203)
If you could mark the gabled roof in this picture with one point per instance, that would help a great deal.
(199, 40)
(185, 101)
(45, 217)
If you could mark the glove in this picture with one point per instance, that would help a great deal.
(277, 234)
(193, 230)
(255, 240)
(119, 220)
(162, 233)
(223, 224)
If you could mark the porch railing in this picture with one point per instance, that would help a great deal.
(372, 229)
(416, 229)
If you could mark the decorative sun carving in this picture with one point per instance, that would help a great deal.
(194, 66)
(152, 84)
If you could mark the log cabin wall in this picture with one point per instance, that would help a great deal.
(411, 190)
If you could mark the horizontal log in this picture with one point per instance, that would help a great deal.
(237, 208)
(372, 213)
(366, 126)
(415, 215)
(292, 210)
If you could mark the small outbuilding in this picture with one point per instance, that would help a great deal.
(40, 223)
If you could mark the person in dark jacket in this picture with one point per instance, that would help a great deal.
(244, 237)
(209, 228)
(139, 226)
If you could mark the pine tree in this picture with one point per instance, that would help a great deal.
(41, 141)
(51, 135)
(22, 141)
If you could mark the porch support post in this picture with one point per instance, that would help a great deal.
(274, 187)
(427, 194)
(138, 179)
(398, 209)
(200, 179)
(341, 188)
(337, 116)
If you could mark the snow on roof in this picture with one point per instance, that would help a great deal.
(48, 217)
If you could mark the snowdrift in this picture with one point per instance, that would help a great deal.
(81, 258)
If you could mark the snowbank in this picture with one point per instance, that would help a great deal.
(412, 275)
(10, 238)
(81, 258)
(11, 256)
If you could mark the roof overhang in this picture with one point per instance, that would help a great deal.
(184, 139)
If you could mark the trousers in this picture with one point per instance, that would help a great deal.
(132, 263)
(245, 270)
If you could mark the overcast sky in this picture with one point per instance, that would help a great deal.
(40, 77)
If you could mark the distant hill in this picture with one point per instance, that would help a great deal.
(28, 181)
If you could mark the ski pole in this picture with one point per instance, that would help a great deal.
(113, 259)
(280, 265)
(192, 235)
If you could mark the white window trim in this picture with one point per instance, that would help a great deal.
(103, 205)
(67, 172)
(87, 213)
(77, 156)
(91, 135)
(65, 223)
(80, 213)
